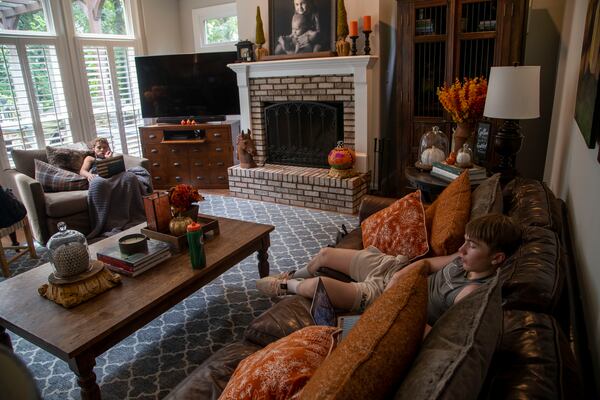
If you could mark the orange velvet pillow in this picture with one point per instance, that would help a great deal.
(451, 216)
(280, 370)
(399, 228)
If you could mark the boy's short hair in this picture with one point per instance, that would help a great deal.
(100, 140)
(499, 232)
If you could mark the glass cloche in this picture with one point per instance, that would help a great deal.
(69, 254)
(464, 157)
(433, 148)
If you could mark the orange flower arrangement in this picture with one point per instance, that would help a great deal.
(464, 100)
(182, 196)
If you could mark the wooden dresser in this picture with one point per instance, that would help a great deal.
(198, 155)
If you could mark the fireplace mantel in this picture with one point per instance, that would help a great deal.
(360, 67)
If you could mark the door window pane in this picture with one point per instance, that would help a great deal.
(23, 16)
(99, 17)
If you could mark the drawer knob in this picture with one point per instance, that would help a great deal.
(220, 177)
(173, 150)
(157, 178)
(152, 136)
(178, 178)
(218, 149)
(195, 150)
(199, 178)
(197, 164)
(220, 163)
(217, 134)
(154, 151)
(176, 164)
(156, 164)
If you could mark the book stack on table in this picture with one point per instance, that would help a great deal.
(134, 264)
(449, 173)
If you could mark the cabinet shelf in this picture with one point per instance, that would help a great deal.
(430, 38)
(191, 141)
(476, 35)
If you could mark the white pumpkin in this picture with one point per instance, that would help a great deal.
(463, 159)
(431, 155)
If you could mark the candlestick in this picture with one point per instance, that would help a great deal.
(353, 28)
(367, 23)
(354, 44)
(367, 48)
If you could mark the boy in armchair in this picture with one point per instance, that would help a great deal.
(489, 241)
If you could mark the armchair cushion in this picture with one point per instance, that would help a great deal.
(66, 158)
(62, 204)
(25, 160)
(54, 179)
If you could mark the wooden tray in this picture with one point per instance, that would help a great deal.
(210, 227)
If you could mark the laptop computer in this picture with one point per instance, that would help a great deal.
(108, 167)
(323, 312)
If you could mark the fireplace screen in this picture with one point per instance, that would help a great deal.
(302, 132)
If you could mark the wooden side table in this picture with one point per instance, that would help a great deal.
(429, 185)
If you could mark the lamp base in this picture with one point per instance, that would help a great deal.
(507, 144)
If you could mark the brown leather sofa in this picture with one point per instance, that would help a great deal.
(533, 358)
(45, 210)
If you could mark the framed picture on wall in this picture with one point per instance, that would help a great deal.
(301, 26)
(482, 142)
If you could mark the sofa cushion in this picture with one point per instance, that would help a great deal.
(353, 240)
(25, 160)
(487, 198)
(533, 277)
(62, 204)
(399, 228)
(532, 203)
(281, 369)
(54, 179)
(66, 157)
(378, 351)
(532, 361)
(290, 314)
(457, 351)
(451, 214)
(209, 379)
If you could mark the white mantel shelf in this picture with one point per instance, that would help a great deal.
(360, 67)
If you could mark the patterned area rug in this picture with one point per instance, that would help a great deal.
(148, 364)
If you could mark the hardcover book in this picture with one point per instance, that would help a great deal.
(108, 167)
(152, 263)
(473, 171)
(155, 247)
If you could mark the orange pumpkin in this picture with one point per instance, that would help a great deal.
(341, 157)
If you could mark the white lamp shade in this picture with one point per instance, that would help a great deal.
(513, 93)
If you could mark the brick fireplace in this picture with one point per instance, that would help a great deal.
(342, 81)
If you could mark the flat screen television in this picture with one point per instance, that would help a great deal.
(188, 85)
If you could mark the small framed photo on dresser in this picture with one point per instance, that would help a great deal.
(482, 143)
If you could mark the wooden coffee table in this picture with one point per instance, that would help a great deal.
(81, 334)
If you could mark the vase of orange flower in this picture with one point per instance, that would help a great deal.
(184, 212)
(465, 102)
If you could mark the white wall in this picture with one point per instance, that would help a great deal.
(573, 172)
(160, 21)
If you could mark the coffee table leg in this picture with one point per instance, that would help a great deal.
(4, 338)
(83, 367)
(263, 256)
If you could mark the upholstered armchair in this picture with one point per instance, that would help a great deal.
(45, 209)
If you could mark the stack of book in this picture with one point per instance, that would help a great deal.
(134, 264)
(449, 173)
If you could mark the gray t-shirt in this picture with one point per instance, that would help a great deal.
(445, 285)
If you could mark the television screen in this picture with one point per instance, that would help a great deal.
(187, 85)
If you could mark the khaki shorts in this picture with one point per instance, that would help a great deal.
(372, 270)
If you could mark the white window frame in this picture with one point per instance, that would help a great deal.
(48, 14)
(129, 9)
(200, 15)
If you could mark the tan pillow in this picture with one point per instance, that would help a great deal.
(373, 358)
(66, 158)
(281, 369)
(398, 228)
(487, 198)
(451, 216)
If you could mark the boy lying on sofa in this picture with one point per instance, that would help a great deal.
(489, 241)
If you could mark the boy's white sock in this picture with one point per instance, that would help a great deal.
(302, 273)
(292, 285)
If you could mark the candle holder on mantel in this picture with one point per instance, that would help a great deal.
(367, 48)
(354, 50)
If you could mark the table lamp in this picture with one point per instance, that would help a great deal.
(513, 94)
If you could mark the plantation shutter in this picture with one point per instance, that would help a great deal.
(112, 84)
(33, 109)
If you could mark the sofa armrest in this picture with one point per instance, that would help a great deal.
(132, 161)
(31, 194)
(371, 204)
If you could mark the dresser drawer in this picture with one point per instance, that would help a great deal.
(218, 135)
(152, 136)
(218, 176)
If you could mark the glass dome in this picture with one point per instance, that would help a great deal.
(433, 148)
(464, 157)
(69, 254)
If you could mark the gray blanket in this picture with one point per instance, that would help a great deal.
(116, 203)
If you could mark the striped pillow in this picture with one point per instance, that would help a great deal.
(54, 179)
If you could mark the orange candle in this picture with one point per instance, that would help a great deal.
(353, 28)
(367, 23)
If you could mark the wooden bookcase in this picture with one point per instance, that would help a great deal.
(439, 41)
(198, 155)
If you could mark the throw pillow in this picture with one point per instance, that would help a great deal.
(380, 348)
(66, 158)
(451, 216)
(281, 369)
(457, 352)
(487, 197)
(398, 228)
(54, 179)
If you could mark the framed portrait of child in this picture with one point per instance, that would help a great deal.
(301, 26)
